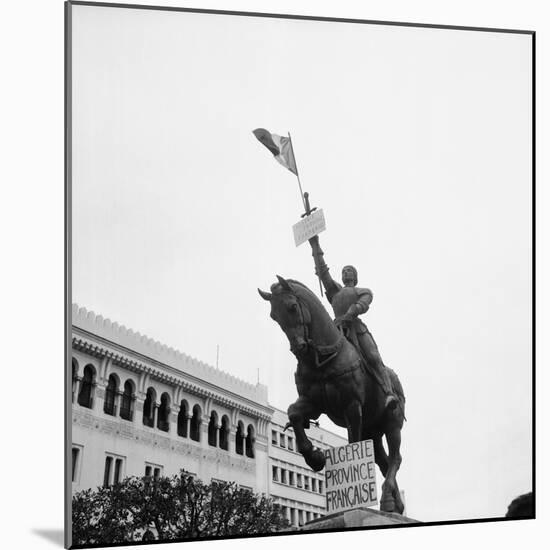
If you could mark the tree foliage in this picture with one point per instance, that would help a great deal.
(174, 508)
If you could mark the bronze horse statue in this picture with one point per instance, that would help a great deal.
(332, 378)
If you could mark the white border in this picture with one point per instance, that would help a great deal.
(32, 228)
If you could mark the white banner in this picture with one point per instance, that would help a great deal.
(350, 477)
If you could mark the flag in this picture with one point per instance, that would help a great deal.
(280, 147)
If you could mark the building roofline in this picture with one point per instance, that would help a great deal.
(118, 334)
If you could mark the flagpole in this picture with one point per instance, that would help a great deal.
(298, 175)
(305, 199)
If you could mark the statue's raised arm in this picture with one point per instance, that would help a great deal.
(348, 302)
(321, 269)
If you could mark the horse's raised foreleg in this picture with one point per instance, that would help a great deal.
(391, 498)
(299, 414)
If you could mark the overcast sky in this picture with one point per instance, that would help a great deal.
(417, 145)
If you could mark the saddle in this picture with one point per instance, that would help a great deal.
(350, 334)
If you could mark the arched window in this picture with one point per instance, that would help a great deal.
(224, 433)
(149, 408)
(85, 395)
(250, 441)
(109, 405)
(74, 377)
(196, 424)
(239, 439)
(127, 407)
(213, 430)
(182, 418)
(163, 421)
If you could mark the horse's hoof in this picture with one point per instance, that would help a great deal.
(316, 460)
(387, 504)
(399, 506)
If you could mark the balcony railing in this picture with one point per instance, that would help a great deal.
(126, 413)
(163, 425)
(149, 421)
(109, 406)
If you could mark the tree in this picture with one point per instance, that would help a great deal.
(176, 507)
(236, 511)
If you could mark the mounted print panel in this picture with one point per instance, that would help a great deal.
(300, 284)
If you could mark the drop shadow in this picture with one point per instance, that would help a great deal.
(53, 535)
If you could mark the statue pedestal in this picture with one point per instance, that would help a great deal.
(358, 517)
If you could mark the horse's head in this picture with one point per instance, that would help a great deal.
(290, 312)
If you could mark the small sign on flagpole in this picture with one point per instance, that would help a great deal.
(308, 227)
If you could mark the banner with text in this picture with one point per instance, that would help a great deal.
(309, 227)
(350, 477)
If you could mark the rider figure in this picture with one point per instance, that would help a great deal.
(348, 302)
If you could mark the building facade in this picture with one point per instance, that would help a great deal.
(141, 408)
(298, 489)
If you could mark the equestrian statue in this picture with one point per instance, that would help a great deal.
(340, 372)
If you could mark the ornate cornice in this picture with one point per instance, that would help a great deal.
(187, 382)
(143, 347)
